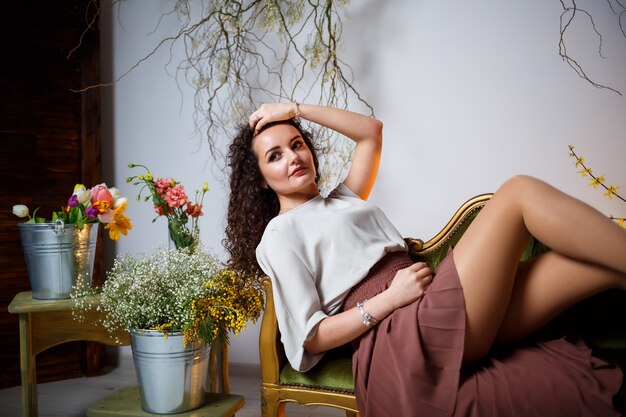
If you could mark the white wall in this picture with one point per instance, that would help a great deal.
(470, 94)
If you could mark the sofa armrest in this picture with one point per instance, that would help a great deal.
(271, 355)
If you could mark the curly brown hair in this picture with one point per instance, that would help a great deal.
(251, 204)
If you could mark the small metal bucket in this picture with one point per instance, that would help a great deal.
(58, 257)
(172, 379)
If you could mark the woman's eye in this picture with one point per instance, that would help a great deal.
(273, 157)
(296, 145)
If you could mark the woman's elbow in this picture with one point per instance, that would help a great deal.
(313, 348)
(377, 130)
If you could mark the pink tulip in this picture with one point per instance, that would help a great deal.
(107, 217)
(101, 193)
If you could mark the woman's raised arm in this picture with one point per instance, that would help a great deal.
(365, 131)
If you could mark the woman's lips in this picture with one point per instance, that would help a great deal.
(297, 172)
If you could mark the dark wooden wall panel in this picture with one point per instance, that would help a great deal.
(49, 141)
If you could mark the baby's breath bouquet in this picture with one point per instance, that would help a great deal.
(173, 290)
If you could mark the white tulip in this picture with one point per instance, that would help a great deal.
(82, 194)
(116, 194)
(20, 210)
(119, 201)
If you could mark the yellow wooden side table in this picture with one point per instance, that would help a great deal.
(47, 323)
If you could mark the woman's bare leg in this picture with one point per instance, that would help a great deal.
(546, 286)
(487, 255)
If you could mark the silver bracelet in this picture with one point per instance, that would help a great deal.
(297, 109)
(368, 320)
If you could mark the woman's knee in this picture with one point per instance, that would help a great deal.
(520, 187)
(520, 182)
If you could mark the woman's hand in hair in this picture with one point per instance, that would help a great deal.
(272, 112)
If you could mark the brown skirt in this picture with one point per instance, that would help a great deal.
(410, 363)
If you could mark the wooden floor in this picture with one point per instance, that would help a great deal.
(70, 398)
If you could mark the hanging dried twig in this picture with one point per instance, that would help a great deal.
(239, 54)
(570, 13)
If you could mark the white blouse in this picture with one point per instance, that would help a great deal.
(314, 254)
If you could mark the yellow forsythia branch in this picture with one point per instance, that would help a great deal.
(598, 180)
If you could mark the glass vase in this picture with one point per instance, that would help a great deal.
(181, 237)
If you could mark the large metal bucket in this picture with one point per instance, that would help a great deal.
(58, 257)
(171, 379)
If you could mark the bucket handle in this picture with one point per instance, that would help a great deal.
(59, 227)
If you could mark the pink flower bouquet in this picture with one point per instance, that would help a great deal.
(170, 200)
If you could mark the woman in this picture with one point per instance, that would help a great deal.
(340, 274)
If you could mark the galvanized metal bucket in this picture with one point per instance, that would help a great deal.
(172, 379)
(58, 257)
